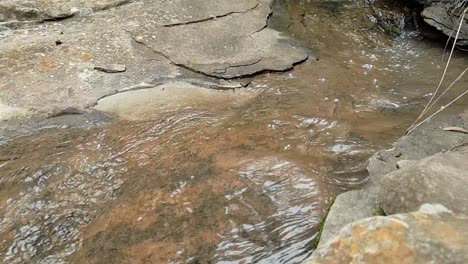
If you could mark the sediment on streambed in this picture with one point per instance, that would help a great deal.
(196, 131)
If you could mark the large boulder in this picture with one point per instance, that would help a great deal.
(431, 235)
(441, 179)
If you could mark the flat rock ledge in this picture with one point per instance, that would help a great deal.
(48, 48)
(414, 208)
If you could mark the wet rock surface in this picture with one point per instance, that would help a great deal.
(431, 235)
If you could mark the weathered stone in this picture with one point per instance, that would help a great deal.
(347, 208)
(211, 49)
(441, 179)
(37, 75)
(157, 40)
(427, 140)
(438, 16)
(431, 235)
(51, 9)
(111, 68)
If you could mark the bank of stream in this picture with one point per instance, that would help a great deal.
(192, 175)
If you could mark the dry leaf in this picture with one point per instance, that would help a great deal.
(456, 129)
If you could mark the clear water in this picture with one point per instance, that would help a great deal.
(219, 177)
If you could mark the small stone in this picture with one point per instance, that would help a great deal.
(111, 68)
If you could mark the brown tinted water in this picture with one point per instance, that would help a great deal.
(219, 176)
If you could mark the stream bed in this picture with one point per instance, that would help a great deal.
(195, 175)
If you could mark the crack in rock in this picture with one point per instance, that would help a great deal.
(209, 18)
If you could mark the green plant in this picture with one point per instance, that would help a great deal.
(321, 225)
(378, 212)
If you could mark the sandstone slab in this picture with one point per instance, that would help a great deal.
(227, 47)
(427, 140)
(431, 235)
(430, 139)
(347, 208)
(50, 66)
(440, 179)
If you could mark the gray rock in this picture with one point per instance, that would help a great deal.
(441, 179)
(431, 235)
(438, 17)
(212, 50)
(422, 143)
(384, 104)
(24, 10)
(155, 40)
(427, 140)
(111, 68)
(347, 208)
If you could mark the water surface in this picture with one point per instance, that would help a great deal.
(198, 176)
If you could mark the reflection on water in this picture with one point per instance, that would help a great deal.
(285, 234)
(230, 178)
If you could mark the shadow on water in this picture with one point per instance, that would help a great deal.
(236, 178)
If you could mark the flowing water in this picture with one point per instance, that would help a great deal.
(192, 175)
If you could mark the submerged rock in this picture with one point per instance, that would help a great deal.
(431, 235)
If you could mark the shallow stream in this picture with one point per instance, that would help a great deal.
(193, 175)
